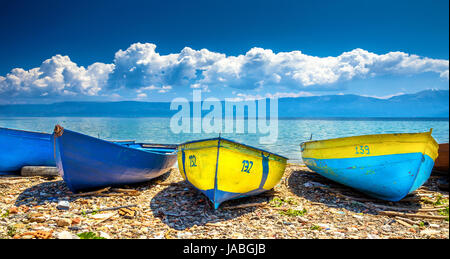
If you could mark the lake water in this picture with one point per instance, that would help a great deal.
(291, 132)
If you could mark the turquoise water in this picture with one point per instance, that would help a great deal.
(291, 132)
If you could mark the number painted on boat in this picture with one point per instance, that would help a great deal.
(362, 150)
(192, 161)
(246, 166)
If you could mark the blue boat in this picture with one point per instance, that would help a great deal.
(86, 162)
(19, 148)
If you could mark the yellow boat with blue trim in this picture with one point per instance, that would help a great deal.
(384, 166)
(223, 169)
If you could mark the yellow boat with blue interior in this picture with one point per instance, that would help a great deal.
(384, 166)
(223, 169)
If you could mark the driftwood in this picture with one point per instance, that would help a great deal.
(318, 203)
(115, 194)
(15, 181)
(423, 189)
(431, 209)
(243, 206)
(406, 208)
(49, 171)
(213, 224)
(427, 195)
(101, 221)
(121, 192)
(136, 193)
(410, 221)
(14, 176)
(167, 184)
(391, 207)
(410, 215)
(124, 190)
(403, 223)
(278, 208)
(92, 193)
(112, 208)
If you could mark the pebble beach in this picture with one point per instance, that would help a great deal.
(304, 205)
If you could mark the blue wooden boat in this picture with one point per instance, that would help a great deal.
(86, 162)
(19, 148)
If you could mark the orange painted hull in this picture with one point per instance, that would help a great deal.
(441, 163)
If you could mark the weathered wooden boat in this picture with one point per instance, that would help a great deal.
(19, 148)
(223, 169)
(86, 162)
(384, 166)
(441, 163)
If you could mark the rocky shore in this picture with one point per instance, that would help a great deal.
(303, 205)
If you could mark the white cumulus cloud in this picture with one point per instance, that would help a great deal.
(140, 67)
(57, 76)
(261, 67)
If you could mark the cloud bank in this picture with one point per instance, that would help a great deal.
(140, 69)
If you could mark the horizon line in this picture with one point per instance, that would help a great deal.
(243, 100)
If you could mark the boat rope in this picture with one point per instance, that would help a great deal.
(58, 131)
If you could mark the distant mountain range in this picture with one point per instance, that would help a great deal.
(428, 103)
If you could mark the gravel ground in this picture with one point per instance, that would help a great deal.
(303, 205)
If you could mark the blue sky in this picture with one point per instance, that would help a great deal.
(61, 50)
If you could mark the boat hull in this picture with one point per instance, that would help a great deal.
(374, 170)
(391, 177)
(223, 169)
(442, 162)
(85, 162)
(24, 148)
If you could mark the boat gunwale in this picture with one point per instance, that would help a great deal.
(368, 143)
(26, 131)
(123, 141)
(168, 146)
(427, 133)
(123, 146)
(232, 141)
